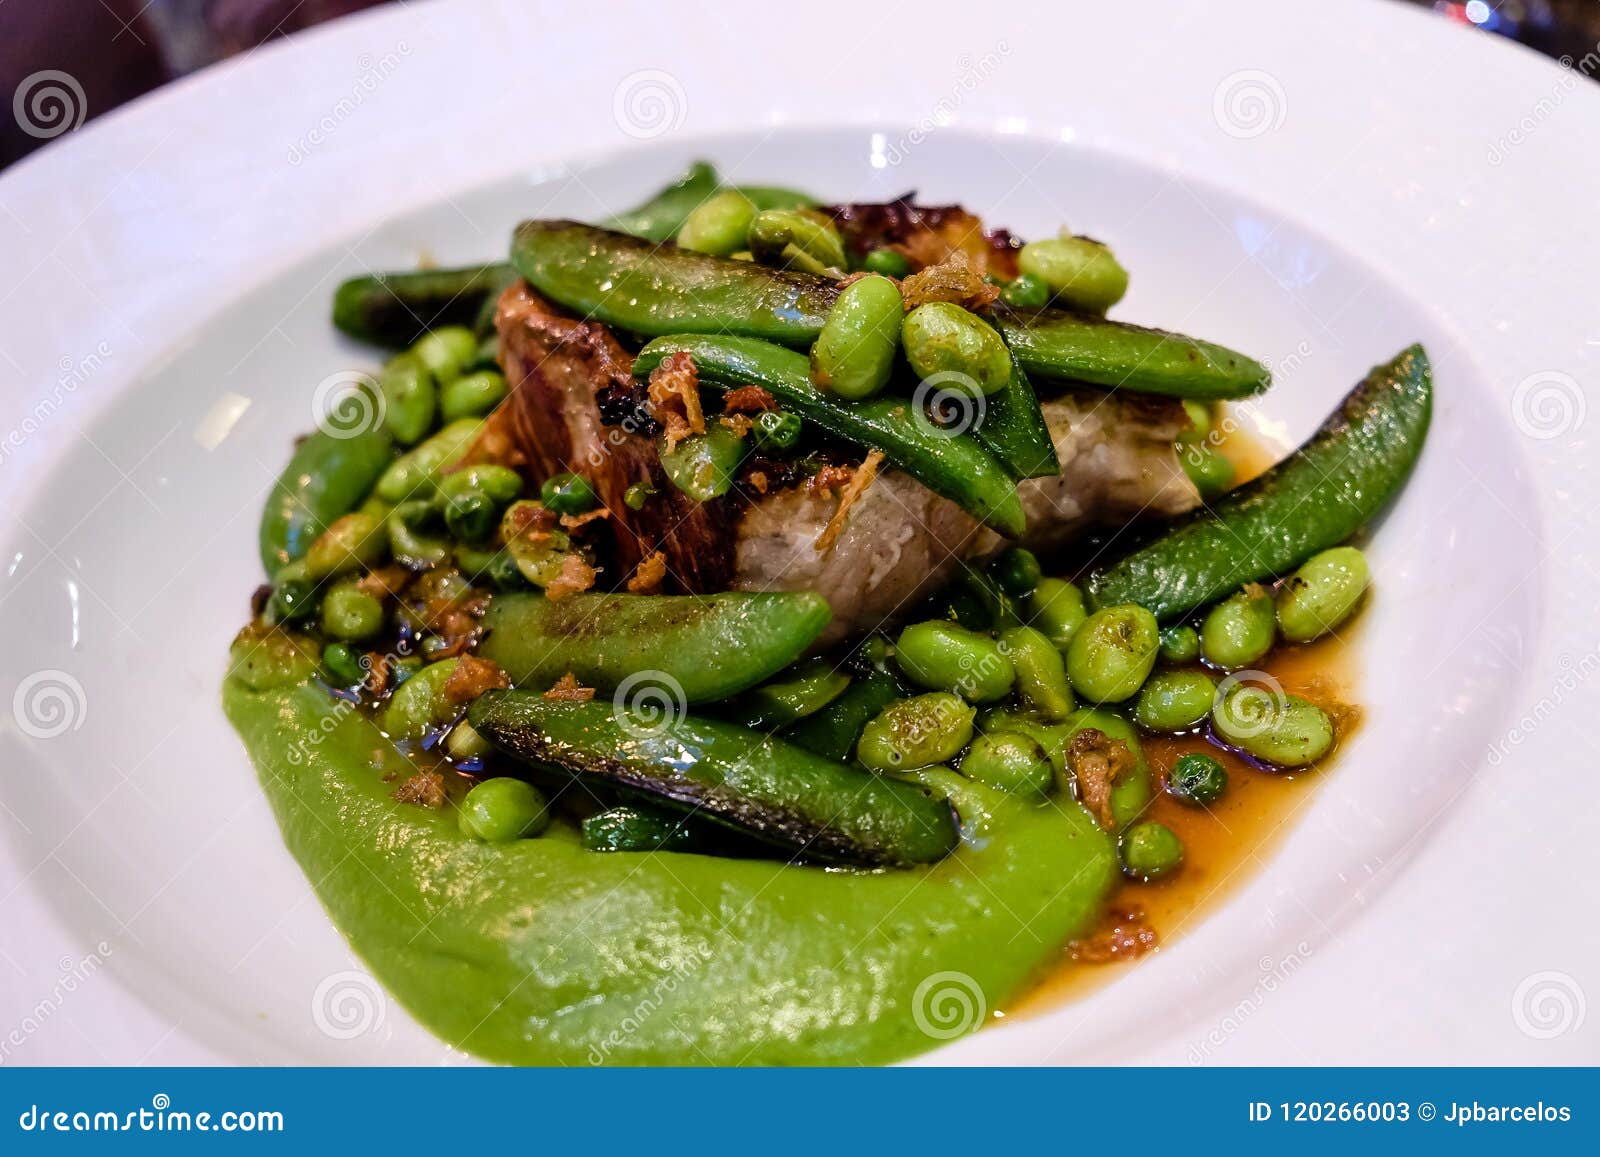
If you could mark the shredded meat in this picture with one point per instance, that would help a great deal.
(426, 789)
(647, 579)
(748, 400)
(1097, 762)
(859, 481)
(675, 398)
(576, 575)
(1128, 938)
(953, 279)
(472, 677)
(567, 689)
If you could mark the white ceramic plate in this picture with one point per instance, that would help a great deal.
(1319, 186)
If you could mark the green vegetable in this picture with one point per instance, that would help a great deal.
(349, 613)
(916, 732)
(1027, 292)
(665, 213)
(413, 534)
(472, 516)
(1210, 472)
(1180, 644)
(464, 743)
(327, 476)
(1013, 429)
(1112, 654)
(1315, 499)
(889, 262)
(294, 597)
(1150, 851)
(1131, 792)
(832, 732)
(568, 494)
(1010, 761)
(688, 648)
(418, 705)
(504, 809)
(343, 665)
(637, 495)
(472, 395)
(416, 473)
(640, 829)
(703, 465)
(776, 431)
(1284, 730)
(956, 348)
(1041, 672)
(1017, 571)
(1174, 701)
(1199, 415)
(353, 541)
(954, 467)
(720, 224)
(1239, 630)
(500, 484)
(446, 351)
(1197, 780)
(395, 309)
(410, 398)
(764, 787)
(1056, 610)
(854, 354)
(945, 657)
(803, 239)
(791, 696)
(1081, 273)
(1321, 594)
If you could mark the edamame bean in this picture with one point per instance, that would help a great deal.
(1174, 701)
(854, 354)
(416, 473)
(1026, 292)
(352, 542)
(1041, 673)
(498, 810)
(776, 430)
(1197, 779)
(472, 395)
(568, 494)
(1210, 472)
(446, 351)
(1056, 609)
(719, 225)
(1283, 730)
(410, 398)
(1322, 594)
(964, 351)
(889, 262)
(350, 613)
(1180, 644)
(1149, 851)
(343, 665)
(1113, 653)
(500, 483)
(412, 539)
(418, 705)
(803, 239)
(945, 657)
(1009, 761)
(1017, 571)
(916, 732)
(294, 596)
(702, 465)
(1080, 272)
(1239, 630)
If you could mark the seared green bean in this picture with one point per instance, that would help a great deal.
(665, 213)
(833, 731)
(638, 829)
(1210, 472)
(395, 309)
(791, 696)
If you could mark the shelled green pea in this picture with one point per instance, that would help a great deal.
(1149, 851)
(889, 262)
(1027, 291)
(1197, 779)
(1017, 571)
(498, 810)
(349, 613)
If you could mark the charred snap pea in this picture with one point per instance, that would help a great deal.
(395, 309)
(327, 476)
(916, 732)
(946, 657)
(955, 467)
(1283, 730)
(1239, 630)
(1174, 701)
(1321, 594)
(684, 648)
(1080, 273)
(854, 354)
(1316, 498)
(1041, 673)
(776, 431)
(833, 731)
(801, 691)
(957, 349)
(410, 398)
(415, 474)
(1009, 761)
(642, 829)
(1113, 653)
(472, 395)
(719, 225)
(764, 787)
(1056, 610)
(503, 809)
(665, 213)
(803, 239)
(703, 465)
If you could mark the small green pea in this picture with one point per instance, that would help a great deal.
(637, 495)
(466, 742)
(945, 657)
(889, 262)
(1113, 653)
(916, 732)
(471, 516)
(500, 483)
(1149, 851)
(1283, 730)
(1239, 630)
(343, 664)
(1197, 779)
(472, 395)
(1010, 761)
(1174, 701)
(854, 355)
(1199, 415)
(499, 810)
(1017, 571)
(350, 613)
(776, 431)
(1322, 593)
(1210, 472)
(1056, 609)
(410, 398)
(703, 465)
(719, 225)
(418, 705)
(959, 348)
(568, 494)
(1041, 672)
(1180, 644)
(446, 351)
(803, 239)
(1027, 292)
(1080, 272)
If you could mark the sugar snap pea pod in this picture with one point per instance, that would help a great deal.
(774, 791)
(795, 694)
(1080, 347)
(395, 309)
(659, 218)
(691, 648)
(644, 829)
(1316, 498)
(1014, 430)
(326, 478)
(951, 465)
(833, 731)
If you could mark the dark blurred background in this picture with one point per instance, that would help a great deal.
(64, 61)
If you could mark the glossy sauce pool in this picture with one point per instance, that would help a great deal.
(1225, 843)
